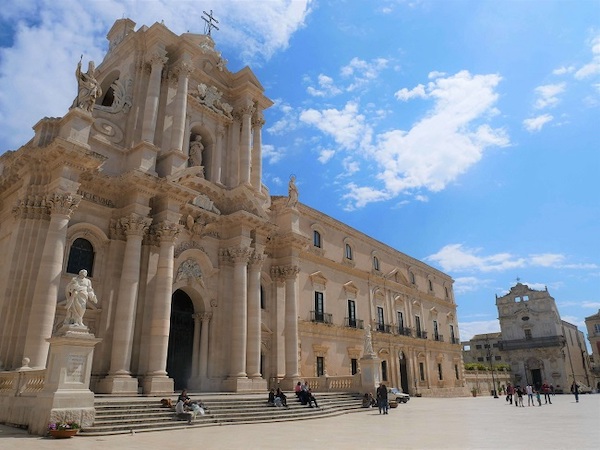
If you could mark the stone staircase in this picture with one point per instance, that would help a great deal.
(141, 414)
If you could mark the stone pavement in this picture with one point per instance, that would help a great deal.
(422, 423)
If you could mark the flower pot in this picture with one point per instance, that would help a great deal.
(63, 434)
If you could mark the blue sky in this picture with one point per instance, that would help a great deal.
(462, 133)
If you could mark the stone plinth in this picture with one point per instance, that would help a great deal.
(369, 373)
(142, 157)
(66, 395)
(75, 126)
(158, 385)
(171, 162)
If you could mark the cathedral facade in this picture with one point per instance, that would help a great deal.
(152, 183)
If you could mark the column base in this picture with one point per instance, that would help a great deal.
(238, 385)
(119, 385)
(158, 385)
(143, 157)
(289, 383)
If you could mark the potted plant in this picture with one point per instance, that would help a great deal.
(62, 430)
(474, 392)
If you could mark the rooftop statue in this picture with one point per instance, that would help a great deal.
(88, 88)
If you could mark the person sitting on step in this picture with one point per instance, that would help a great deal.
(182, 413)
(282, 397)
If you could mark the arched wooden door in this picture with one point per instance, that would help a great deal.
(181, 335)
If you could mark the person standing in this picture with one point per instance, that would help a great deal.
(575, 391)
(529, 391)
(382, 398)
(546, 391)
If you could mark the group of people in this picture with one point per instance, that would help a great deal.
(186, 409)
(381, 402)
(304, 394)
(277, 398)
(517, 393)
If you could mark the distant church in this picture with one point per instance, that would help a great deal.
(152, 182)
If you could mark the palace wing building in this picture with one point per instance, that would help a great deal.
(152, 183)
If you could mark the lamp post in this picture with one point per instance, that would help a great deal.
(489, 355)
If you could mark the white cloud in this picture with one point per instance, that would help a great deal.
(326, 85)
(404, 94)
(457, 258)
(347, 126)
(469, 329)
(325, 155)
(363, 71)
(469, 284)
(271, 154)
(360, 196)
(537, 123)
(548, 95)
(435, 74)
(563, 70)
(593, 67)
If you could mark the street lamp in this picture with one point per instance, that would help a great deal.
(489, 355)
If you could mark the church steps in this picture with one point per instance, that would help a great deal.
(120, 416)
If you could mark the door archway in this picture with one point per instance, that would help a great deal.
(181, 335)
(403, 373)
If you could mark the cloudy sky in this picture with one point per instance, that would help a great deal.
(462, 133)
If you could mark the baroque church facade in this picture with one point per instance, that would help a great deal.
(152, 183)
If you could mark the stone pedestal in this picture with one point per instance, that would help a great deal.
(75, 126)
(142, 157)
(158, 385)
(369, 373)
(238, 385)
(171, 162)
(66, 395)
(118, 385)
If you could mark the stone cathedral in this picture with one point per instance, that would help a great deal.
(152, 183)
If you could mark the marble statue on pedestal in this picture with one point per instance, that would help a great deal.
(78, 292)
(368, 341)
(292, 192)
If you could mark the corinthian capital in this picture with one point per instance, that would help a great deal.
(157, 58)
(166, 231)
(135, 224)
(62, 203)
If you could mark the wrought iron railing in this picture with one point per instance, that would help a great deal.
(421, 334)
(321, 317)
(404, 331)
(383, 328)
(438, 337)
(354, 323)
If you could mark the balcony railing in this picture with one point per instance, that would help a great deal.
(353, 323)
(438, 337)
(421, 334)
(454, 340)
(546, 341)
(404, 331)
(383, 328)
(321, 317)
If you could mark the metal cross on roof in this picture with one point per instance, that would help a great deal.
(209, 22)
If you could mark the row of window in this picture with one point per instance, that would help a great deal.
(320, 366)
(320, 316)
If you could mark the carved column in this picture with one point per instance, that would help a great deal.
(257, 124)
(43, 307)
(233, 157)
(134, 226)
(157, 61)
(206, 317)
(291, 322)
(196, 345)
(183, 71)
(254, 316)
(245, 141)
(239, 316)
(161, 311)
(217, 162)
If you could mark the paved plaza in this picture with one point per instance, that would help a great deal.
(422, 423)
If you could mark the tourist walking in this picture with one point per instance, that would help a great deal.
(510, 390)
(382, 398)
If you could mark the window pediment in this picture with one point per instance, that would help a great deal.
(351, 289)
(318, 279)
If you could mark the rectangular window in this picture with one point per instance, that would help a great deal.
(435, 330)
(422, 371)
(352, 313)
(495, 345)
(384, 370)
(320, 366)
(452, 337)
(418, 325)
(354, 366)
(380, 323)
(440, 375)
(478, 346)
(400, 321)
(527, 333)
(480, 359)
(262, 297)
(597, 328)
(497, 358)
(430, 285)
(456, 371)
(319, 307)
